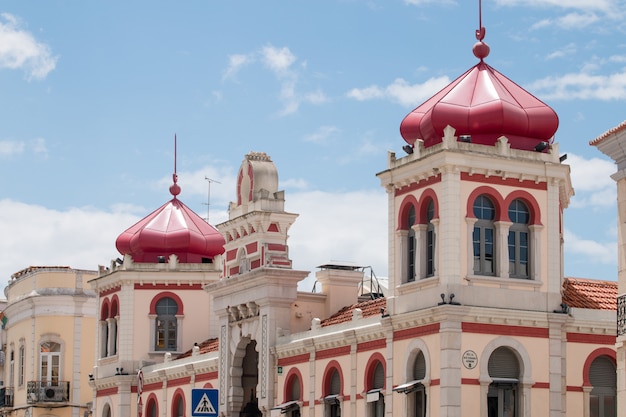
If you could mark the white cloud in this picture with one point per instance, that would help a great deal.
(235, 63)
(77, 237)
(568, 49)
(401, 91)
(577, 20)
(11, 147)
(603, 5)
(20, 50)
(278, 60)
(350, 226)
(591, 179)
(582, 86)
(322, 134)
(580, 250)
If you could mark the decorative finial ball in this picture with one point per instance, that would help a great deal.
(175, 189)
(481, 50)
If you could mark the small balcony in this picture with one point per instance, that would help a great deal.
(6, 397)
(621, 315)
(47, 392)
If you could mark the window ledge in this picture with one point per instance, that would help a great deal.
(420, 284)
(503, 282)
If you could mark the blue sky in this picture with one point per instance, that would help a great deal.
(92, 93)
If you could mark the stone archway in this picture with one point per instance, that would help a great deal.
(245, 379)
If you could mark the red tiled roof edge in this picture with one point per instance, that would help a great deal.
(616, 129)
(590, 293)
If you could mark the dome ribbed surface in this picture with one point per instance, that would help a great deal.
(485, 104)
(175, 229)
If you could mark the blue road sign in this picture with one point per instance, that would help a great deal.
(204, 402)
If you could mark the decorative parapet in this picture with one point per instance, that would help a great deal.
(621, 315)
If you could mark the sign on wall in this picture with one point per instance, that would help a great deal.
(204, 402)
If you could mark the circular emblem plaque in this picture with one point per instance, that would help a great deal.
(470, 360)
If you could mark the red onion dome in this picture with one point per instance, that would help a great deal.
(484, 104)
(171, 229)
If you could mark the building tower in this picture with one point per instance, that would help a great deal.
(148, 301)
(475, 219)
(612, 143)
(254, 299)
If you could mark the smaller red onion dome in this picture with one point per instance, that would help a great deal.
(486, 105)
(175, 229)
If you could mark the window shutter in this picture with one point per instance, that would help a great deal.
(419, 370)
(503, 364)
(602, 373)
(379, 377)
(335, 383)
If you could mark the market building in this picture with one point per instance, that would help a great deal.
(477, 317)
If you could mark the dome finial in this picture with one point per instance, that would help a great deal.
(175, 188)
(480, 49)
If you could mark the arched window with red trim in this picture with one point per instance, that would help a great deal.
(178, 404)
(152, 407)
(332, 390)
(375, 384)
(484, 236)
(519, 240)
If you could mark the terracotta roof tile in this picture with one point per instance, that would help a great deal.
(209, 345)
(369, 308)
(590, 293)
(616, 129)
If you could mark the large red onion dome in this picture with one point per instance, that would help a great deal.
(175, 229)
(486, 105)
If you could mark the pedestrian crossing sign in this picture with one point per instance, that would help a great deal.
(204, 402)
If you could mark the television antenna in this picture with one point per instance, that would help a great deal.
(208, 201)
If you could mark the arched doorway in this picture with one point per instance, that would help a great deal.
(503, 395)
(249, 381)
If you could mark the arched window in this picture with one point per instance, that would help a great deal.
(106, 411)
(519, 240)
(295, 391)
(504, 371)
(484, 237)
(414, 389)
(333, 391)
(166, 324)
(603, 378)
(50, 362)
(152, 408)
(375, 396)
(178, 405)
(410, 245)
(104, 329)
(430, 239)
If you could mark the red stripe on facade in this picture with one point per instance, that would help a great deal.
(371, 345)
(276, 247)
(233, 270)
(231, 254)
(505, 330)
(294, 359)
(152, 387)
(497, 180)
(470, 381)
(206, 377)
(329, 353)
(416, 331)
(110, 291)
(435, 382)
(601, 339)
(175, 287)
(571, 388)
(255, 264)
(417, 185)
(179, 381)
(545, 385)
(252, 247)
(107, 391)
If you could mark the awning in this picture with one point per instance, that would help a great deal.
(331, 399)
(283, 408)
(408, 387)
(373, 395)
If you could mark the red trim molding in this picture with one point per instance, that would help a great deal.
(294, 359)
(497, 180)
(504, 330)
(601, 339)
(417, 185)
(332, 353)
(371, 345)
(106, 391)
(416, 331)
